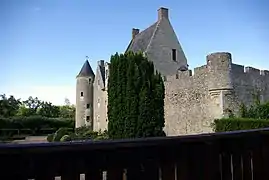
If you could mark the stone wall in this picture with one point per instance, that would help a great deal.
(187, 102)
(249, 81)
(100, 101)
(193, 101)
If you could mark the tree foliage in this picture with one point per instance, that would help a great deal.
(257, 111)
(47, 109)
(11, 107)
(33, 117)
(135, 97)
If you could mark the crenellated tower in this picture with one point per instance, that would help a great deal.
(220, 84)
(84, 96)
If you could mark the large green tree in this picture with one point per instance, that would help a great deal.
(47, 109)
(135, 97)
(9, 106)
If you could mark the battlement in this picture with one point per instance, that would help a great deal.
(218, 62)
(240, 69)
(219, 73)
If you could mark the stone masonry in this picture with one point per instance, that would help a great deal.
(193, 101)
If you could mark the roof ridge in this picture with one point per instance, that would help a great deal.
(140, 41)
(153, 35)
(149, 27)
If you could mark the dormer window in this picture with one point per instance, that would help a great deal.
(174, 54)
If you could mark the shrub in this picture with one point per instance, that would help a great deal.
(35, 123)
(256, 111)
(60, 133)
(65, 138)
(233, 124)
(50, 137)
(82, 133)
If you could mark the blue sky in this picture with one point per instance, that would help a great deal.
(43, 43)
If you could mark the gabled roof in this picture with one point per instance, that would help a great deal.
(142, 40)
(101, 71)
(86, 70)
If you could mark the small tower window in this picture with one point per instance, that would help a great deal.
(98, 102)
(81, 94)
(87, 118)
(106, 74)
(174, 54)
(88, 106)
(90, 80)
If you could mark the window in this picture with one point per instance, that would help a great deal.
(262, 98)
(98, 102)
(98, 82)
(106, 74)
(87, 118)
(88, 106)
(81, 94)
(90, 80)
(174, 54)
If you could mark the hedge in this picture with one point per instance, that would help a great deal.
(34, 123)
(233, 124)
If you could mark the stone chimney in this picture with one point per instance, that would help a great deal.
(134, 32)
(162, 13)
(101, 63)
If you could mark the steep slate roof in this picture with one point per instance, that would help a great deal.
(86, 70)
(142, 40)
(101, 71)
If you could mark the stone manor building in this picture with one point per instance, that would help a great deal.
(192, 100)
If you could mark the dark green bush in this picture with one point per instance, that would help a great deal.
(34, 124)
(82, 133)
(60, 133)
(233, 124)
(66, 138)
(50, 137)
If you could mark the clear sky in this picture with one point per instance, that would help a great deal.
(43, 43)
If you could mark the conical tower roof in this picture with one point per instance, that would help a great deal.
(86, 70)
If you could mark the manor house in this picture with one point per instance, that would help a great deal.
(193, 99)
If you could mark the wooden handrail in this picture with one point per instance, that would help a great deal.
(213, 156)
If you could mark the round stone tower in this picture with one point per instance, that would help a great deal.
(84, 96)
(219, 67)
(220, 84)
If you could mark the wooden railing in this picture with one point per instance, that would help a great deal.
(241, 155)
